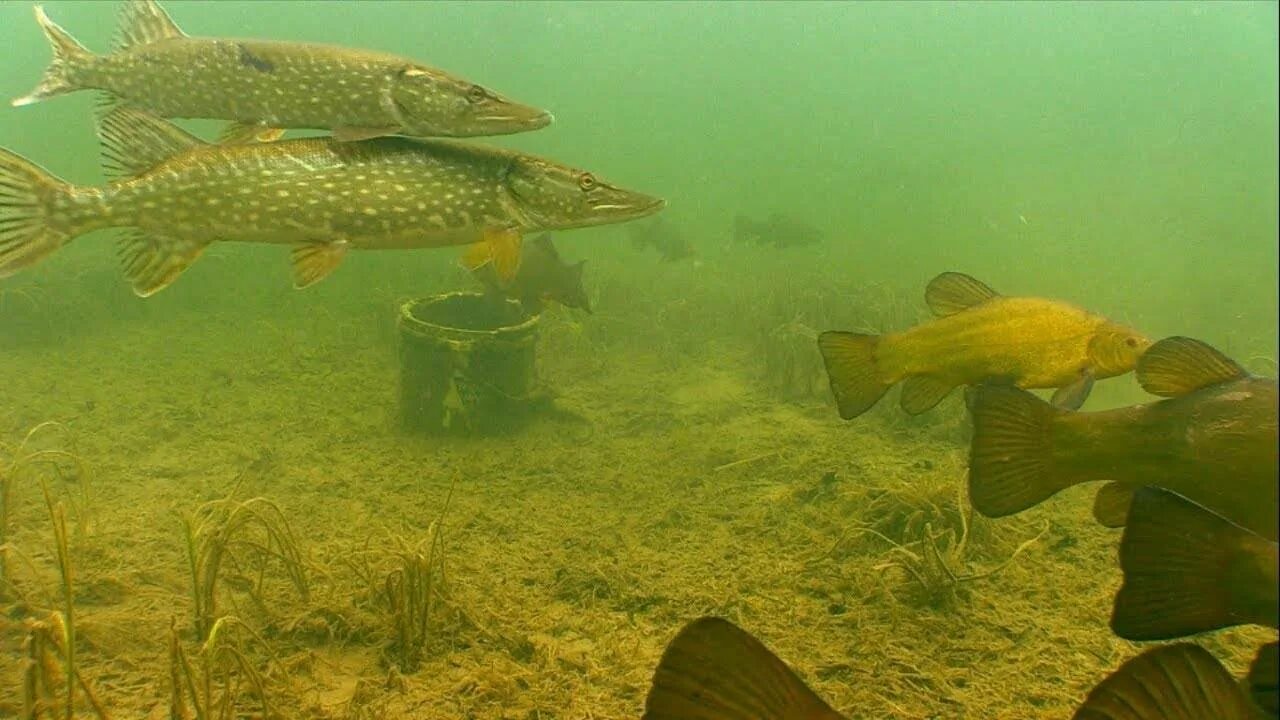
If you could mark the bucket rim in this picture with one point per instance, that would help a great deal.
(408, 317)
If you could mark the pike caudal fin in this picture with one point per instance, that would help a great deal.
(1170, 682)
(1010, 463)
(27, 195)
(1184, 570)
(68, 55)
(714, 670)
(856, 381)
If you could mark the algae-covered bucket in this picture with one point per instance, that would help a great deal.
(466, 364)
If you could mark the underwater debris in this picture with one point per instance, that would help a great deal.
(412, 591)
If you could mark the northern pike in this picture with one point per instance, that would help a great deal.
(715, 670)
(1188, 570)
(264, 86)
(979, 336)
(1213, 441)
(322, 196)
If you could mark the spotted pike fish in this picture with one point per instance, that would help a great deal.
(324, 197)
(263, 86)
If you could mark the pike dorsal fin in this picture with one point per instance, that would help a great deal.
(1180, 365)
(143, 22)
(951, 292)
(134, 141)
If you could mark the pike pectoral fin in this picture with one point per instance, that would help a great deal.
(951, 292)
(314, 261)
(1073, 395)
(499, 247)
(1180, 365)
(1178, 561)
(243, 133)
(1111, 504)
(151, 262)
(352, 134)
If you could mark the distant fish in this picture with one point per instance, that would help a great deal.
(1214, 441)
(1171, 682)
(670, 242)
(778, 231)
(541, 278)
(714, 670)
(264, 85)
(319, 195)
(979, 336)
(1188, 570)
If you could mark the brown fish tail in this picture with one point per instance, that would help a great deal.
(1010, 459)
(1170, 682)
(68, 57)
(714, 670)
(856, 379)
(29, 230)
(1181, 567)
(1264, 676)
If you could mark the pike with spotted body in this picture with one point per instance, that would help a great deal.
(320, 195)
(265, 86)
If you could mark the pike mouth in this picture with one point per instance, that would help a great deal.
(532, 120)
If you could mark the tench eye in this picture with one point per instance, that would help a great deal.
(476, 94)
(586, 181)
(1131, 342)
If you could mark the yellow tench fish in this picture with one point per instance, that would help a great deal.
(320, 195)
(979, 336)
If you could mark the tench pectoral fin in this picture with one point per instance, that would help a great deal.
(1073, 395)
(951, 292)
(1180, 365)
(314, 262)
(923, 392)
(715, 670)
(152, 263)
(499, 247)
(352, 134)
(1111, 504)
(1011, 456)
(1177, 559)
(244, 133)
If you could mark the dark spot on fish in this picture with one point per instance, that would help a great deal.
(261, 65)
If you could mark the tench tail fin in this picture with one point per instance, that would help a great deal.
(1178, 559)
(1170, 682)
(1010, 459)
(27, 198)
(68, 55)
(856, 381)
(714, 670)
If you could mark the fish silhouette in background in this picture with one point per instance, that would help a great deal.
(541, 278)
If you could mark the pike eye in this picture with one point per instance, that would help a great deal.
(587, 181)
(476, 94)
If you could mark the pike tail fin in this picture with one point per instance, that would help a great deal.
(856, 380)
(27, 195)
(68, 56)
(1010, 459)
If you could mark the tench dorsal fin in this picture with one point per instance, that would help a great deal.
(1180, 365)
(951, 292)
(714, 670)
(134, 141)
(143, 22)
(1187, 570)
(152, 263)
(1170, 682)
